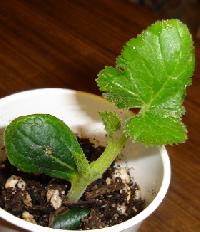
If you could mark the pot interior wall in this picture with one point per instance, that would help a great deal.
(80, 112)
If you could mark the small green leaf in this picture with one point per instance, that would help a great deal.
(111, 122)
(70, 219)
(41, 143)
(152, 74)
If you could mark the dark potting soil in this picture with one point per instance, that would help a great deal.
(38, 198)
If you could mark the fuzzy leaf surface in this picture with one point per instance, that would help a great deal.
(152, 74)
(111, 122)
(42, 143)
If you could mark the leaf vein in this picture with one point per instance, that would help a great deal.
(42, 146)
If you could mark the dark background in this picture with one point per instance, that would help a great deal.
(186, 10)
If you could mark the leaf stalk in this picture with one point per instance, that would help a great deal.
(96, 169)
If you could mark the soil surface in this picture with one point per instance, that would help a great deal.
(38, 198)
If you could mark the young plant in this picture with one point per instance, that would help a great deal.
(151, 75)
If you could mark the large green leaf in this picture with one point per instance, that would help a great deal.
(151, 74)
(42, 143)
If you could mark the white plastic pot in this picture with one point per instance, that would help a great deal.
(150, 167)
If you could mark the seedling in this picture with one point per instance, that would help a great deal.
(151, 75)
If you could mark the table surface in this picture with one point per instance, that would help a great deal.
(49, 43)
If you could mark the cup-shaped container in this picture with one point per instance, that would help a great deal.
(149, 167)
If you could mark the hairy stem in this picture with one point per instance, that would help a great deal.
(78, 187)
(112, 150)
(97, 168)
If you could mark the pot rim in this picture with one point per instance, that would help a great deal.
(116, 228)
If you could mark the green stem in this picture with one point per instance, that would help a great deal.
(78, 187)
(112, 150)
(97, 168)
